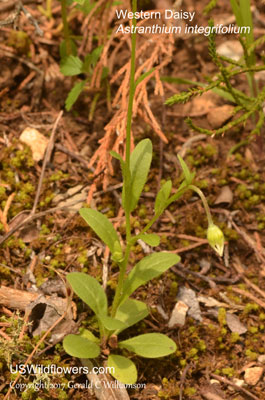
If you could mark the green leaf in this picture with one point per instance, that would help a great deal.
(150, 238)
(85, 333)
(148, 268)
(150, 345)
(125, 369)
(116, 155)
(186, 171)
(143, 76)
(71, 66)
(89, 290)
(112, 324)
(74, 94)
(130, 312)
(102, 227)
(162, 197)
(96, 54)
(140, 162)
(78, 346)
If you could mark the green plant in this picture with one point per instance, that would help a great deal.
(72, 65)
(246, 106)
(125, 311)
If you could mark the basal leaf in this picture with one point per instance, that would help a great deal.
(150, 345)
(71, 66)
(162, 196)
(78, 346)
(150, 238)
(130, 312)
(74, 94)
(148, 268)
(125, 369)
(85, 333)
(112, 324)
(101, 226)
(89, 290)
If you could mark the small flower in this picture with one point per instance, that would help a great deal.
(216, 238)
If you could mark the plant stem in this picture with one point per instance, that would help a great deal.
(127, 174)
(204, 202)
(66, 27)
(119, 289)
(127, 177)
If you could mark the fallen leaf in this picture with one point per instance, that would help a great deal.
(188, 296)
(253, 375)
(45, 312)
(178, 315)
(225, 196)
(218, 116)
(231, 49)
(234, 324)
(36, 141)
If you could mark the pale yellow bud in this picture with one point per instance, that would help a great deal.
(216, 239)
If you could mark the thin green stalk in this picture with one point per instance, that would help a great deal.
(204, 202)
(66, 32)
(173, 198)
(119, 289)
(127, 174)
(127, 177)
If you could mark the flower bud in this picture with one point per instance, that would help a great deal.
(117, 254)
(216, 238)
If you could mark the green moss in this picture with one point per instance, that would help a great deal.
(262, 316)
(190, 391)
(20, 41)
(173, 289)
(235, 337)
(250, 307)
(192, 353)
(222, 316)
(251, 354)
(202, 345)
(228, 372)
(253, 329)
(57, 176)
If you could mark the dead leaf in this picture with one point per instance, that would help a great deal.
(36, 141)
(178, 315)
(200, 106)
(218, 116)
(253, 375)
(77, 193)
(45, 312)
(188, 296)
(59, 157)
(30, 233)
(234, 324)
(225, 196)
(20, 217)
(231, 49)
